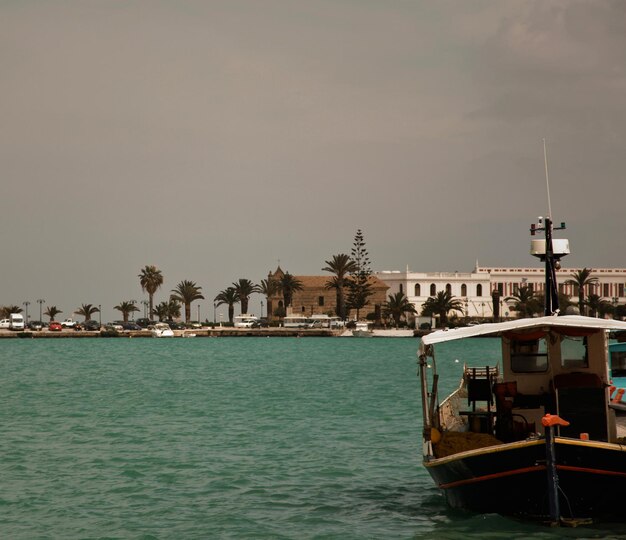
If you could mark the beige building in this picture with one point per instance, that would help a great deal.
(315, 298)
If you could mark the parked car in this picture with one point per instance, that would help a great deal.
(5, 324)
(68, 323)
(144, 323)
(55, 326)
(91, 325)
(174, 325)
(114, 326)
(35, 325)
(130, 326)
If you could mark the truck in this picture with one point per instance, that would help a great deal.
(16, 321)
(68, 323)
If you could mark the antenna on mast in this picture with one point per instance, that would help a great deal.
(545, 160)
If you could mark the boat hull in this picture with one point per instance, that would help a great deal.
(511, 479)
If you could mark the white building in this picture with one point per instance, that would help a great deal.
(475, 288)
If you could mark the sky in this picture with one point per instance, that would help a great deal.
(215, 139)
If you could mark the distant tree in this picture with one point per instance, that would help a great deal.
(150, 279)
(268, 288)
(289, 284)
(126, 308)
(5, 311)
(52, 312)
(580, 280)
(187, 292)
(166, 311)
(244, 288)
(525, 302)
(359, 286)
(86, 310)
(229, 297)
(340, 265)
(598, 306)
(441, 304)
(396, 306)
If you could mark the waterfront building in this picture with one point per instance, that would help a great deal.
(316, 299)
(476, 289)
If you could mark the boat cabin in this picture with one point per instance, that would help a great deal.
(555, 365)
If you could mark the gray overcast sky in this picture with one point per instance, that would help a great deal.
(212, 138)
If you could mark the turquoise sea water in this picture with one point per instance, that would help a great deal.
(226, 438)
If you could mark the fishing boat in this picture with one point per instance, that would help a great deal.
(530, 433)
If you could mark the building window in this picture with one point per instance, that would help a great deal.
(479, 290)
(418, 291)
(606, 290)
(303, 309)
(500, 287)
(401, 289)
(433, 290)
(463, 290)
(448, 288)
(320, 301)
(620, 290)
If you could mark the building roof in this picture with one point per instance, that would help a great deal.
(319, 282)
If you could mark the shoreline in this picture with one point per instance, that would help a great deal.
(202, 332)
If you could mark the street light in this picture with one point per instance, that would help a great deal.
(99, 314)
(145, 308)
(261, 309)
(40, 301)
(198, 312)
(214, 308)
(26, 304)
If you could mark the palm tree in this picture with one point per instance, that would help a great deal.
(229, 297)
(86, 310)
(167, 310)
(126, 308)
(268, 288)
(341, 266)
(186, 292)
(52, 312)
(150, 280)
(597, 305)
(244, 288)
(580, 280)
(396, 306)
(525, 302)
(5, 311)
(441, 305)
(289, 284)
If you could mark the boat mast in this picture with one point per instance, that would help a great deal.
(548, 256)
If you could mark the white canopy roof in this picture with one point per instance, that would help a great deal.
(495, 329)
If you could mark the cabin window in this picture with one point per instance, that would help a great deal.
(320, 301)
(574, 352)
(433, 290)
(479, 290)
(529, 356)
(618, 363)
(418, 290)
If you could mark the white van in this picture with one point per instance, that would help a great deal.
(5, 324)
(16, 321)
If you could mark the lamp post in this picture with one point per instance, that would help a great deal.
(40, 301)
(198, 312)
(261, 309)
(26, 304)
(145, 308)
(214, 308)
(99, 314)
